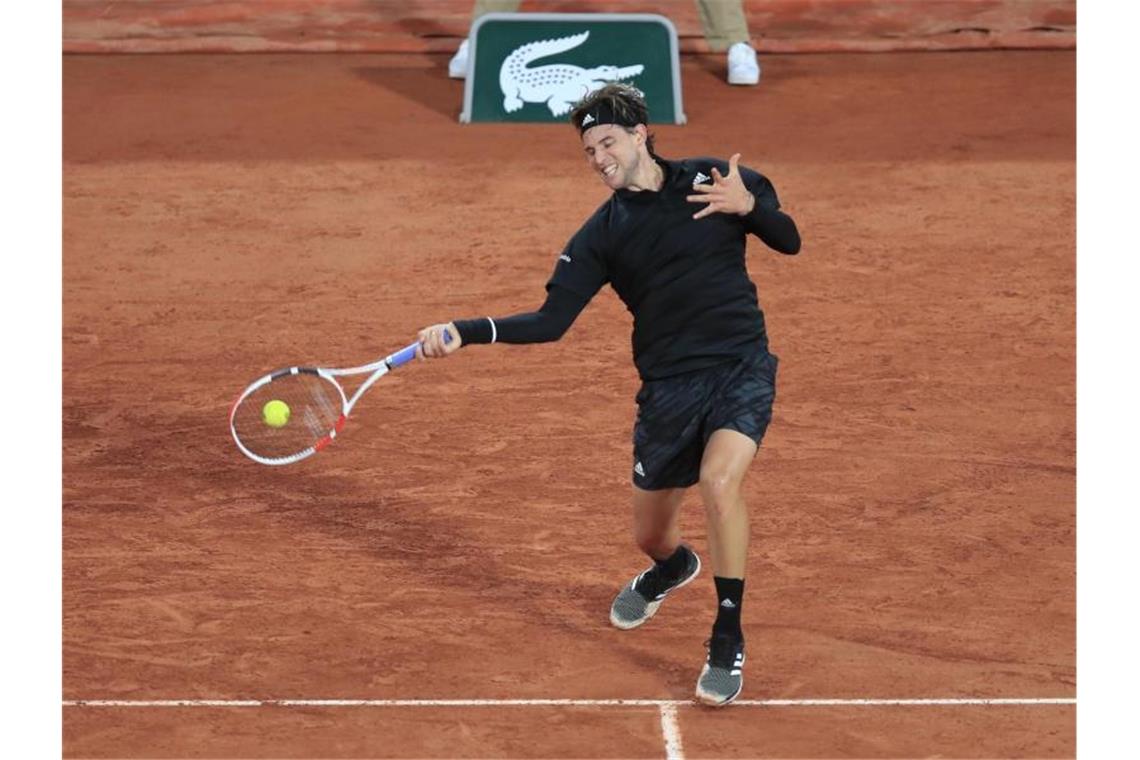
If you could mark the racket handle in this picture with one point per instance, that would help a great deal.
(405, 355)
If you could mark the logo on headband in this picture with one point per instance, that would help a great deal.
(603, 113)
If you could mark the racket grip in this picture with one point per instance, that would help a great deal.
(405, 355)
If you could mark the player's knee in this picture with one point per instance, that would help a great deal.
(720, 491)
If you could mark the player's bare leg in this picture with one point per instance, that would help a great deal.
(723, 467)
(657, 532)
(656, 528)
(725, 463)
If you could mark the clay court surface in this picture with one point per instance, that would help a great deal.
(913, 503)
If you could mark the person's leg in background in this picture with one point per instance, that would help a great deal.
(727, 29)
(457, 67)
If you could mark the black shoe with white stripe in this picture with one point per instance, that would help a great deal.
(722, 677)
(639, 599)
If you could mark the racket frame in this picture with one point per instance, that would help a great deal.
(377, 369)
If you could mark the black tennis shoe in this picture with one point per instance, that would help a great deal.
(722, 677)
(638, 601)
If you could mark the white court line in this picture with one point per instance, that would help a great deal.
(661, 704)
(671, 732)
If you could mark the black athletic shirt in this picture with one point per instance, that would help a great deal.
(683, 279)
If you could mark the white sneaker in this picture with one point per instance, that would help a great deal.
(742, 65)
(457, 67)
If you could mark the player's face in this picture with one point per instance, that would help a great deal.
(613, 153)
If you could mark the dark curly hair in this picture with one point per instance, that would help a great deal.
(625, 101)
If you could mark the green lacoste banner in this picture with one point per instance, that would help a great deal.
(533, 67)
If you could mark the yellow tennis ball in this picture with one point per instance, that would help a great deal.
(275, 413)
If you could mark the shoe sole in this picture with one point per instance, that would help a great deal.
(715, 700)
(652, 607)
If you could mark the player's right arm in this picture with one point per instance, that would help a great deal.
(579, 273)
(548, 323)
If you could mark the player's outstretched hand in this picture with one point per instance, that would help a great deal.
(726, 195)
(432, 344)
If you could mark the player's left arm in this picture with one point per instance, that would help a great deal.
(749, 195)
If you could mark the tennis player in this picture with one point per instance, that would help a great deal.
(671, 242)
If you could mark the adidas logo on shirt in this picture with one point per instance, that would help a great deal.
(701, 177)
(639, 469)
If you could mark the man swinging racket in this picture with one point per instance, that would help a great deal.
(671, 243)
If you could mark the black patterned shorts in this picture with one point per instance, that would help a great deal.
(676, 416)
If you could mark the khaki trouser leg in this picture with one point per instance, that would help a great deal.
(724, 23)
(483, 7)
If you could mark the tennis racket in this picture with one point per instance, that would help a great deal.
(293, 413)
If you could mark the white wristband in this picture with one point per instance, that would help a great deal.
(494, 330)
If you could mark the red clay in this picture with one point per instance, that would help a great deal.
(913, 502)
(418, 26)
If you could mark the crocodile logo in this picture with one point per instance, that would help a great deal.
(558, 85)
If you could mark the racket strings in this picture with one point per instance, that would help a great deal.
(314, 409)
